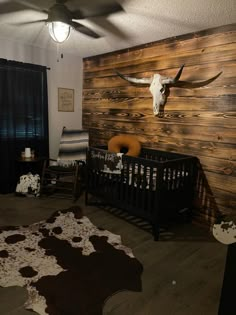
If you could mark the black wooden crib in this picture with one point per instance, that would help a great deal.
(156, 186)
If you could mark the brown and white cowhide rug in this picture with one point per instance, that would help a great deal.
(68, 265)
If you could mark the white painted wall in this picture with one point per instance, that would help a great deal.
(67, 73)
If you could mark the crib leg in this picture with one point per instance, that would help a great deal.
(156, 231)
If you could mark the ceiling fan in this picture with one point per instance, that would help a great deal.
(61, 19)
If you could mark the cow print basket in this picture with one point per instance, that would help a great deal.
(28, 185)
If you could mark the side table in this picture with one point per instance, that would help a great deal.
(26, 165)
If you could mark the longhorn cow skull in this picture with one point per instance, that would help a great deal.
(158, 85)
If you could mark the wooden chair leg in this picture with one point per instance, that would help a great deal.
(156, 231)
(42, 179)
(76, 188)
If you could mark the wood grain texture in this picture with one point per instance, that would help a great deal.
(197, 121)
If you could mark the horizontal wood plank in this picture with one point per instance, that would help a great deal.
(164, 48)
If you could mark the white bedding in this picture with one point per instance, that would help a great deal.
(148, 179)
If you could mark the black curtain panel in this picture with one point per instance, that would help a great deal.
(23, 116)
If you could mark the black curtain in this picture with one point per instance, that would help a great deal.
(23, 116)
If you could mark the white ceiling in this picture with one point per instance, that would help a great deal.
(142, 21)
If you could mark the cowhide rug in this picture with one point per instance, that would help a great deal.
(68, 265)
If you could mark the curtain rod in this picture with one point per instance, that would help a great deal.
(7, 66)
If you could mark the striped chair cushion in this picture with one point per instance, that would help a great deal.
(73, 146)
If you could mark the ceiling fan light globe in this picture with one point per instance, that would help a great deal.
(59, 31)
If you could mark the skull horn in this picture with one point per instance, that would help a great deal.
(134, 80)
(197, 84)
(166, 80)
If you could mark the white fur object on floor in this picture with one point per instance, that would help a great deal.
(29, 184)
(225, 232)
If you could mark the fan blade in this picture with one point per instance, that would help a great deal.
(84, 30)
(29, 22)
(28, 5)
(61, 1)
(109, 27)
(10, 7)
(96, 11)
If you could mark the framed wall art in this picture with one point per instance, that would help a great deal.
(65, 100)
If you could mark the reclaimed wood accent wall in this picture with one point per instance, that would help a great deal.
(199, 121)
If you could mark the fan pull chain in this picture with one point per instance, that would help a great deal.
(59, 54)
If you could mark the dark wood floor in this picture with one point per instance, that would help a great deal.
(183, 272)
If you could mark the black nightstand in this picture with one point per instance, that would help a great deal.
(29, 165)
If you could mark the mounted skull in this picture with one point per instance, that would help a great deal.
(159, 85)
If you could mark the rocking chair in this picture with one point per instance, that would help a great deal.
(66, 175)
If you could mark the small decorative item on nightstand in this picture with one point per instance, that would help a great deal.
(27, 152)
